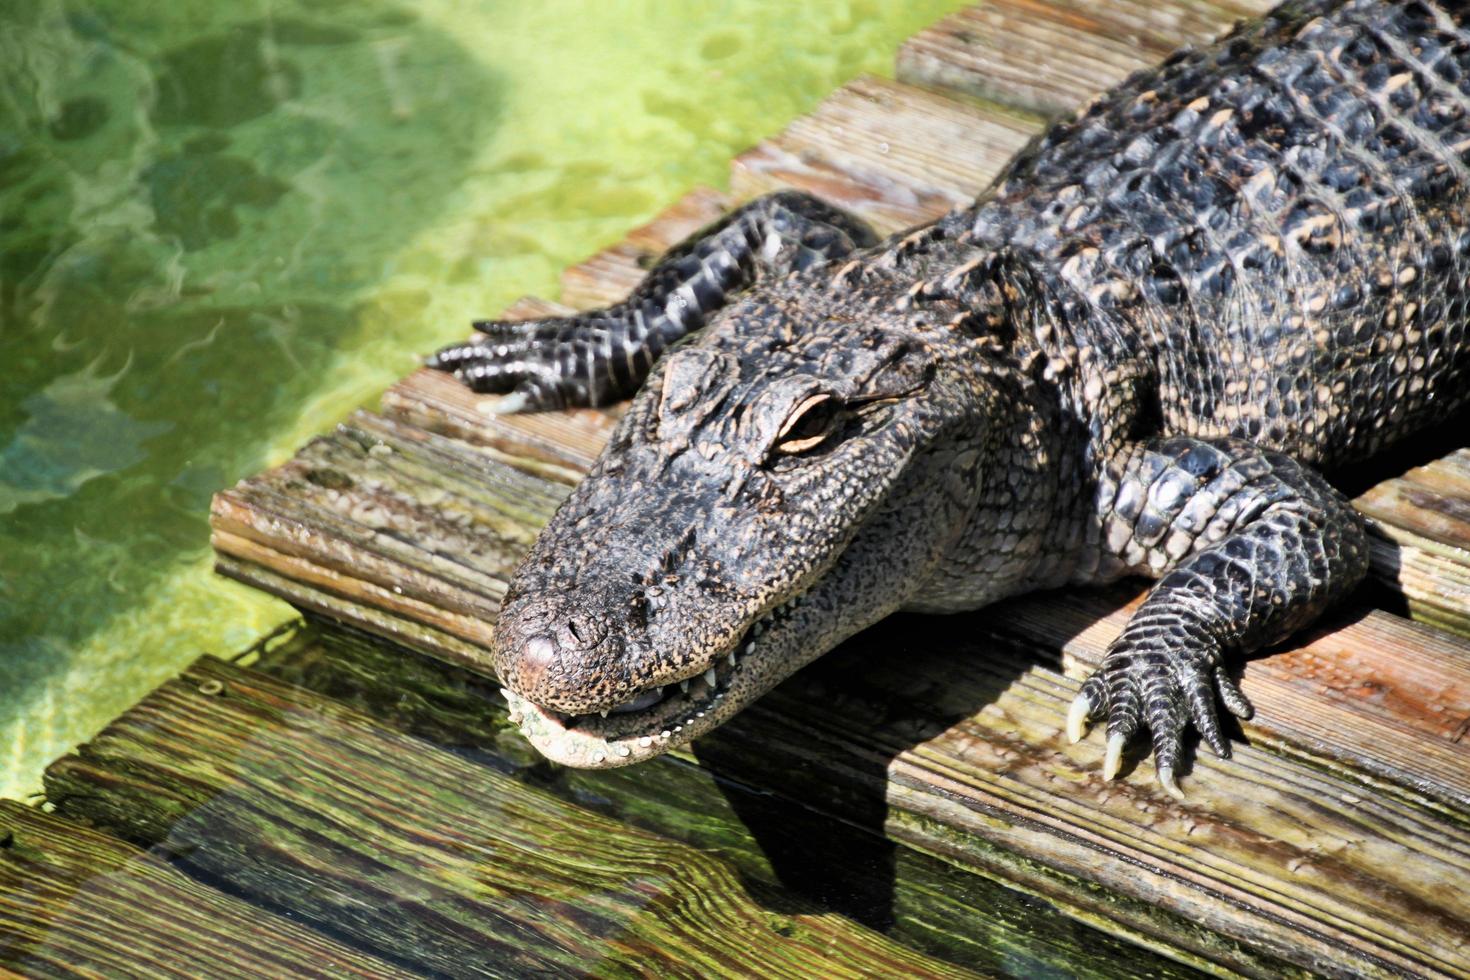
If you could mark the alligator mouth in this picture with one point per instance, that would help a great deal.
(660, 717)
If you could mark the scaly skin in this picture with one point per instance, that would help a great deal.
(1126, 358)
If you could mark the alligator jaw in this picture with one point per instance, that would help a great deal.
(689, 708)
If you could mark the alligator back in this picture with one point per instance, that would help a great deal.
(1274, 227)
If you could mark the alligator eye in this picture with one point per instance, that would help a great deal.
(808, 425)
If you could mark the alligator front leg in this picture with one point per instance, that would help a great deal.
(600, 356)
(1252, 545)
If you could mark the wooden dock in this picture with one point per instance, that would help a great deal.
(351, 792)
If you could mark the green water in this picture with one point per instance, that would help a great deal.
(224, 225)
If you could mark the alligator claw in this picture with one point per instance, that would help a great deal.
(1113, 760)
(1142, 686)
(1166, 780)
(516, 401)
(1078, 717)
(536, 364)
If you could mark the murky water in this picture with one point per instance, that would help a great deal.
(224, 225)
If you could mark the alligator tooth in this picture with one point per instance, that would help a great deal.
(624, 751)
(665, 733)
(760, 628)
(710, 677)
(599, 757)
(732, 659)
(684, 686)
(603, 712)
(750, 648)
(645, 741)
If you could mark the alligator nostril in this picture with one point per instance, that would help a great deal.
(572, 629)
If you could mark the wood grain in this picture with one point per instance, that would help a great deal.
(77, 903)
(408, 851)
(895, 154)
(777, 846)
(1301, 859)
(1048, 57)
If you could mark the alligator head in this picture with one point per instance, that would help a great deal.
(782, 482)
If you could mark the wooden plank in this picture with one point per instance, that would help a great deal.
(853, 871)
(1397, 736)
(390, 517)
(1306, 864)
(1048, 55)
(895, 154)
(78, 903)
(1422, 520)
(960, 731)
(1403, 688)
(557, 445)
(406, 850)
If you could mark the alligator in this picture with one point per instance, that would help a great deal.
(1134, 355)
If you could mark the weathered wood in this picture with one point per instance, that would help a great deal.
(961, 730)
(1303, 862)
(1388, 734)
(896, 154)
(1048, 55)
(556, 445)
(414, 853)
(1404, 687)
(78, 903)
(772, 843)
(1422, 521)
(392, 517)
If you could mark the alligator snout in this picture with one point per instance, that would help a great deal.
(556, 648)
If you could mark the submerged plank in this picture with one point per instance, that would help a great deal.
(409, 851)
(773, 844)
(75, 902)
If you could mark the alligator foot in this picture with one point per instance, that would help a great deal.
(1158, 682)
(601, 356)
(1251, 545)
